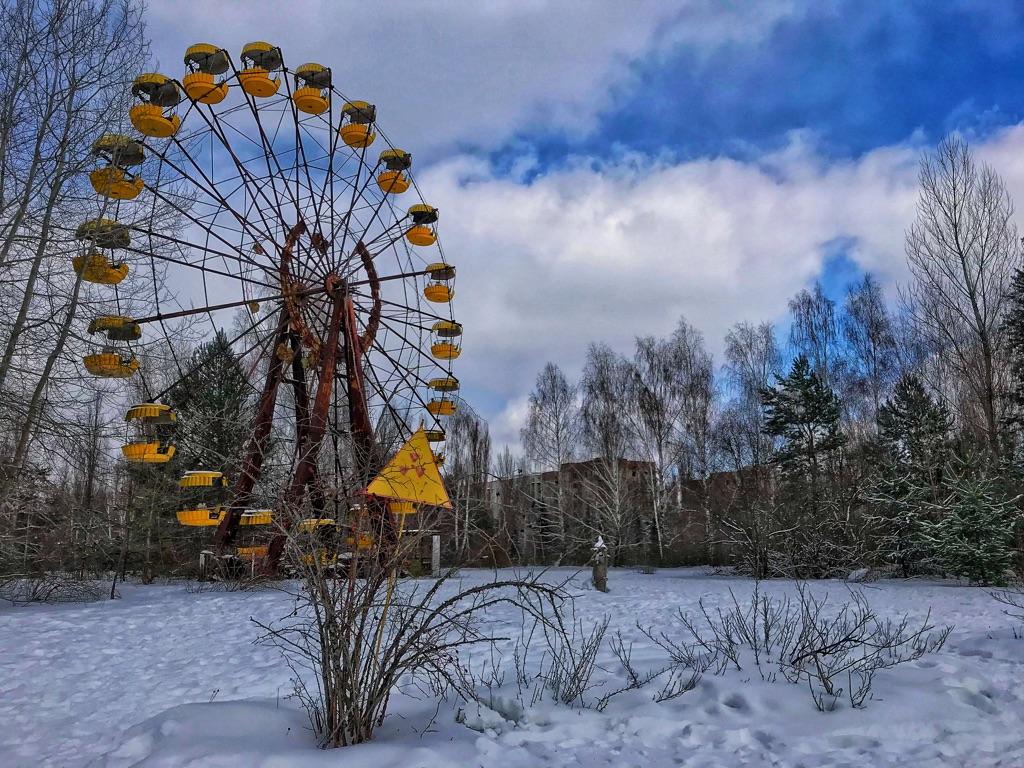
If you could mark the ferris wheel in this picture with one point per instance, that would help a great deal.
(251, 188)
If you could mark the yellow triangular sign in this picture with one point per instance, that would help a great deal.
(412, 475)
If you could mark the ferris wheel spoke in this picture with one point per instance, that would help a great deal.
(300, 148)
(388, 405)
(236, 256)
(399, 367)
(268, 150)
(258, 190)
(358, 190)
(422, 356)
(261, 342)
(200, 267)
(209, 187)
(387, 302)
(215, 308)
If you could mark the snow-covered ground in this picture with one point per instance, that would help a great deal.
(163, 677)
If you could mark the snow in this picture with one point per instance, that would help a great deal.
(165, 677)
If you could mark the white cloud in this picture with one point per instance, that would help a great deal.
(464, 73)
(607, 251)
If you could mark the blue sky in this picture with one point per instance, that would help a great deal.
(856, 75)
(605, 168)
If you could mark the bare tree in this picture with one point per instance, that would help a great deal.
(752, 360)
(868, 331)
(550, 437)
(962, 251)
(606, 433)
(467, 466)
(814, 332)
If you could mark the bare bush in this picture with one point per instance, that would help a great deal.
(833, 651)
(47, 588)
(357, 634)
(1013, 599)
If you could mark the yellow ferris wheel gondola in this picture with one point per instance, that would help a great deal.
(201, 478)
(204, 61)
(96, 267)
(357, 124)
(439, 290)
(422, 232)
(312, 88)
(253, 552)
(393, 179)
(200, 516)
(114, 180)
(111, 362)
(441, 407)
(159, 95)
(104, 233)
(444, 384)
(111, 365)
(116, 327)
(150, 446)
(447, 344)
(261, 60)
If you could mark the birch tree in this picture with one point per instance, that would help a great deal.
(962, 251)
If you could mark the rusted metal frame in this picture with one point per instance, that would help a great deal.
(305, 467)
(241, 493)
(300, 392)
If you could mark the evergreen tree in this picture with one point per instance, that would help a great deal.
(973, 536)
(804, 413)
(213, 405)
(913, 431)
(909, 455)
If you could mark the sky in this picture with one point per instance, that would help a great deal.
(605, 168)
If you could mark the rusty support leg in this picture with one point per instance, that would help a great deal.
(301, 395)
(252, 465)
(305, 467)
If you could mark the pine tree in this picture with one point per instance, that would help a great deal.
(974, 534)
(804, 413)
(913, 431)
(213, 406)
(909, 455)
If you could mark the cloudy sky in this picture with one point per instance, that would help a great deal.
(603, 168)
